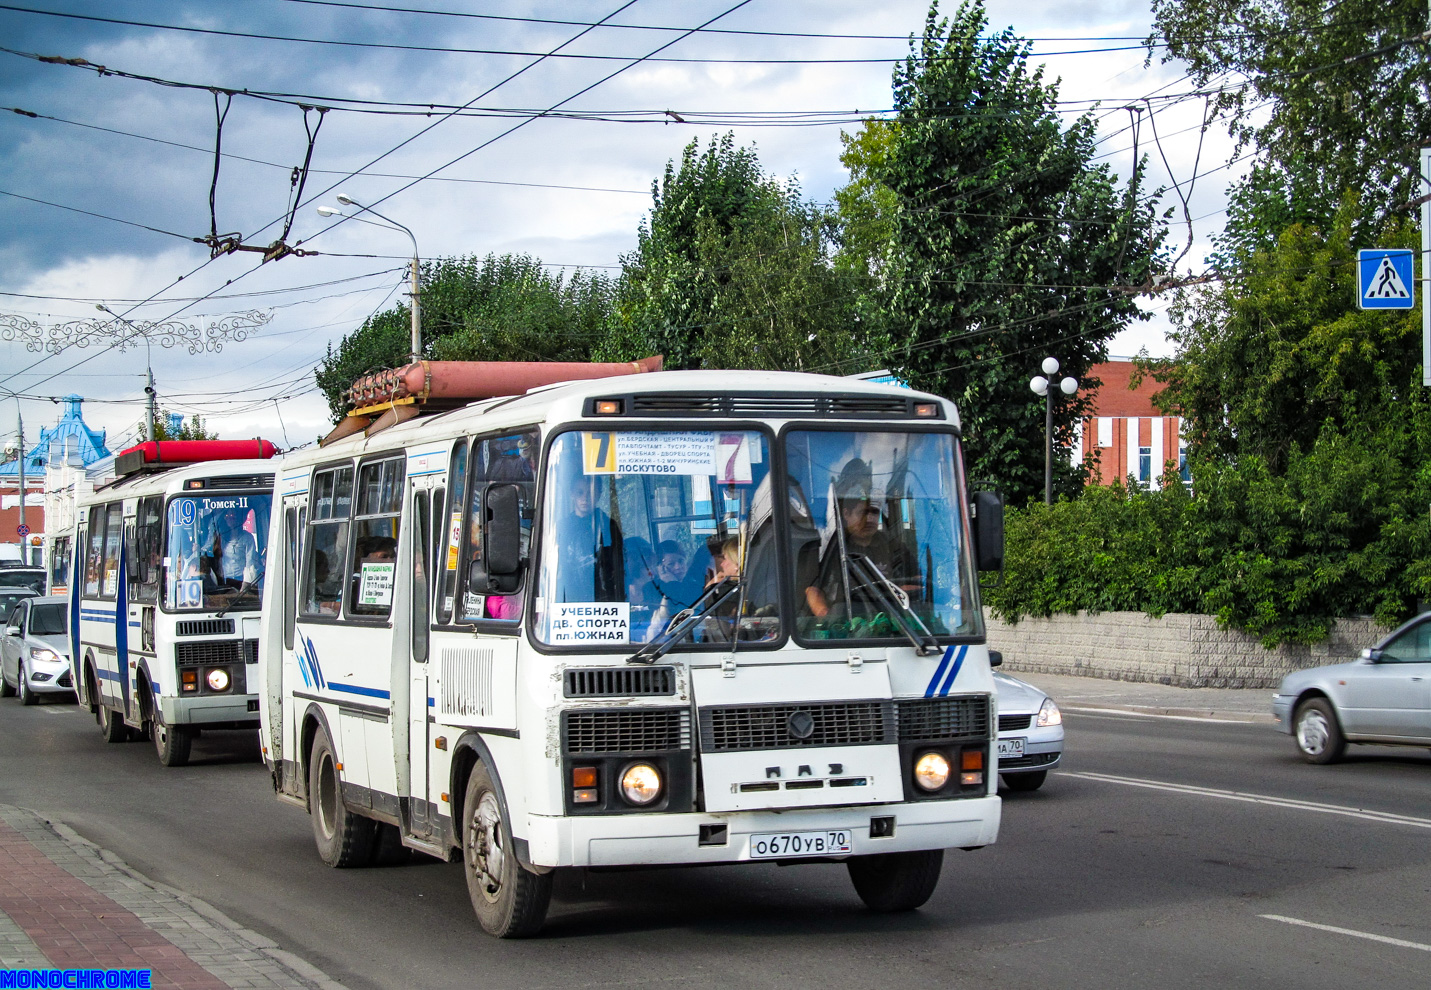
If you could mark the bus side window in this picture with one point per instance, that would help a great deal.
(327, 542)
(93, 551)
(109, 565)
(376, 515)
(451, 543)
(508, 459)
(290, 575)
(421, 567)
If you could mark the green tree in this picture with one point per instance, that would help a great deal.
(1336, 98)
(499, 308)
(1008, 244)
(732, 269)
(171, 426)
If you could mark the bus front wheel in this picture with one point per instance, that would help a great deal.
(896, 881)
(344, 839)
(171, 742)
(510, 901)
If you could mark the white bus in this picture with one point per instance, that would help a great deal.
(672, 618)
(166, 585)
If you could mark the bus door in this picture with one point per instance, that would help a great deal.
(413, 760)
(282, 665)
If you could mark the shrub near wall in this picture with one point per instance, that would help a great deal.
(1343, 533)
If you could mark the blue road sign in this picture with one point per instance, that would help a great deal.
(1387, 277)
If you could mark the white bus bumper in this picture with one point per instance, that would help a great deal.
(643, 840)
(203, 710)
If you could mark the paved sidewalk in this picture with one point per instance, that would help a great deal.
(1230, 704)
(67, 904)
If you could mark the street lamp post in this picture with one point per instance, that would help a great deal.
(1042, 386)
(416, 272)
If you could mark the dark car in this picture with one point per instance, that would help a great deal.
(23, 577)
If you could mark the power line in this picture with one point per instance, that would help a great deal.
(392, 46)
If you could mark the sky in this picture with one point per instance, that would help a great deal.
(105, 179)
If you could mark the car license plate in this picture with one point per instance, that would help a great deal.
(779, 845)
(1011, 748)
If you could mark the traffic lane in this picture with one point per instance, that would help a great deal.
(1246, 756)
(1082, 873)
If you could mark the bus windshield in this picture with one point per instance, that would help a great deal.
(876, 539)
(214, 551)
(645, 530)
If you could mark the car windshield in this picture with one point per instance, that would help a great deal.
(214, 551)
(639, 524)
(24, 577)
(50, 619)
(12, 597)
(876, 536)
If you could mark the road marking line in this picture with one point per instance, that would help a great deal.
(1385, 817)
(1179, 718)
(1348, 931)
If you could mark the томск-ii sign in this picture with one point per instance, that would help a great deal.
(1386, 278)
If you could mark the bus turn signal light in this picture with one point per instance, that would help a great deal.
(583, 785)
(972, 759)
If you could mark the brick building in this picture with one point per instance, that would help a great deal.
(1127, 435)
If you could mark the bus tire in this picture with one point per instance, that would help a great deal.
(388, 849)
(896, 881)
(111, 725)
(510, 901)
(171, 742)
(91, 688)
(344, 839)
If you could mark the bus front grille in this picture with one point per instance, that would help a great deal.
(215, 651)
(618, 682)
(627, 730)
(748, 727)
(204, 627)
(926, 719)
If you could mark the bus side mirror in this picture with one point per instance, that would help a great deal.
(988, 530)
(497, 569)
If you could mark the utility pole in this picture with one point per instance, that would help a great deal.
(23, 532)
(149, 406)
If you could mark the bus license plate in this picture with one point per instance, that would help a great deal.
(779, 845)
(1011, 748)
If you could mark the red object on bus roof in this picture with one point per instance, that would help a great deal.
(198, 451)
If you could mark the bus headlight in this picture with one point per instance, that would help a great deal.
(931, 771)
(641, 784)
(218, 679)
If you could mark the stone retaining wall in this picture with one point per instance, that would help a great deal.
(1178, 649)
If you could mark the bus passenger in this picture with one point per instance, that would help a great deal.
(589, 547)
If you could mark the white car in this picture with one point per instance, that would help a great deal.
(1030, 732)
(1383, 698)
(34, 652)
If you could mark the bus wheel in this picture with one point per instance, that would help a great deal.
(344, 839)
(171, 742)
(510, 900)
(111, 725)
(896, 881)
(388, 849)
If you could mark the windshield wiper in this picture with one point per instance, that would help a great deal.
(893, 599)
(685, 620)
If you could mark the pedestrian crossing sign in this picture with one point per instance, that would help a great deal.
(1387, 279)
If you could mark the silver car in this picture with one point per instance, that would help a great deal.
(1030, 733)
(1383, 698)
(35, 650)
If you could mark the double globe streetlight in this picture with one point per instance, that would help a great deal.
(416, 273)
(1044, 387)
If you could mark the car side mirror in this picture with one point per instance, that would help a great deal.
(996, 659)
(1371, 653)
(12, 631)
(988, 531)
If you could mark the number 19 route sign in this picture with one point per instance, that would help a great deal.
(1387, 279)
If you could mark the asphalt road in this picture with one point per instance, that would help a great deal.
(1154, 859)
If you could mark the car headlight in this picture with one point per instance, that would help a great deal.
(218, 679)
(1048, 713)
(641, 784)
(42, 655)
(931, 771)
